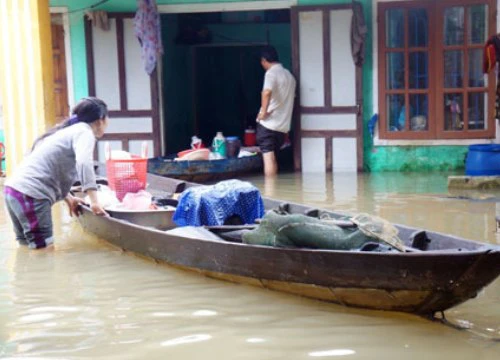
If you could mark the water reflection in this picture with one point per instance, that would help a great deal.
(88, 299)
(187, 340)
(420, 200)
(328, 353)
(255, 340)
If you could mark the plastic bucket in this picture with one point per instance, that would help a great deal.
(483, 160)
(250, 137)
(233, 146)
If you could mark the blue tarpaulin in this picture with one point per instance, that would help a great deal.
(213, 204)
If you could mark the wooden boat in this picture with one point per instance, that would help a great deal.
(449, 270)
(202, 171)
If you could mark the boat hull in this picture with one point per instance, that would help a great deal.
(419, 282)
(202, 171)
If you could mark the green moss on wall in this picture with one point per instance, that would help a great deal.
(416, 158)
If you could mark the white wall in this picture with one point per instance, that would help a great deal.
(379, 142)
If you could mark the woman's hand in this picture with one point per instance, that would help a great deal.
(95, 206)
(74, 205)
(98, 210)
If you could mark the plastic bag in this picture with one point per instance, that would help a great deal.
(105, 196)
(137, 201)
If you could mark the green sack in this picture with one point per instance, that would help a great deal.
(301, 231)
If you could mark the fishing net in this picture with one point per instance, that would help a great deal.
(379, 228)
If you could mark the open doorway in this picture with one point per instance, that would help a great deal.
(212, 78)
(227, 84)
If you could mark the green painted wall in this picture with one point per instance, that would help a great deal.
(380, 158)
(400, 158)
(395, 158)
(77, 32)
(76, 17)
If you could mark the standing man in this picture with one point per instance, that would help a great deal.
(275, 115)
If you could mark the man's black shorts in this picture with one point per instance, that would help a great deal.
(269, 140)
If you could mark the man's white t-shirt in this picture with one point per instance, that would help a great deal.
(282, 85)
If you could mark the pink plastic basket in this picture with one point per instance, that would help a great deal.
(127, 176)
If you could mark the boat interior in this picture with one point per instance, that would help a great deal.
(166, 191)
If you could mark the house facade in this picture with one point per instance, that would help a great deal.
(416, 102)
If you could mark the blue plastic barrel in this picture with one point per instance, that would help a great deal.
(483, 160)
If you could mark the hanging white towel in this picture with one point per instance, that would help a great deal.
(99, 18)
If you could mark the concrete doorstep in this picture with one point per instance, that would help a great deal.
(474, 182)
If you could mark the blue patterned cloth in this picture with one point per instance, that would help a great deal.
(213, 204)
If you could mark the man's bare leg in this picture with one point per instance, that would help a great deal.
(270, 164)
(270, 186)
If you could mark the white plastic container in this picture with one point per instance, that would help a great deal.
(219, 146)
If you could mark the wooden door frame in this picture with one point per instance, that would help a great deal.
(63, 10)
(154, 113)
(61, 96)
(328, 135)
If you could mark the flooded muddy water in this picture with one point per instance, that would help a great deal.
(86, 299)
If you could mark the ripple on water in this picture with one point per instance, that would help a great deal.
(86, 299)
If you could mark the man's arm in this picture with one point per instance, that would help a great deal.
(265, 100)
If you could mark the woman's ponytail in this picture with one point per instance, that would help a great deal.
(88, 110)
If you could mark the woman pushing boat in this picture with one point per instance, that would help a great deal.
(59, 157)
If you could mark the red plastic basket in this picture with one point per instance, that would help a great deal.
(127, 176)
